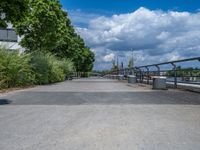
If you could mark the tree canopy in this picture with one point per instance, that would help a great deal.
(45, 26)
(131, 62)
(12, 11)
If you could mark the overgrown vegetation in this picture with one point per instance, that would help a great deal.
(49, 69)
(14, 69)
(53, 48)
(35, 68)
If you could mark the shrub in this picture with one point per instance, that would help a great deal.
(40, 66)
(67, 66)
(35, 68)
(56, 72)
(14, 69)
(49, 69)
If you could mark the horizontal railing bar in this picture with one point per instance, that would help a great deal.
(171, 62)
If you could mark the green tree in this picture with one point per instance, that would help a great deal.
(87, 60)
(74, 48)
(12, 11)
(114, 66)
(43, 27)
(131, 62)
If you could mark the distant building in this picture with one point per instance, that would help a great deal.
(9, 39)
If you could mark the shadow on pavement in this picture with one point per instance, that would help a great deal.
(4, 102)
(103, 98)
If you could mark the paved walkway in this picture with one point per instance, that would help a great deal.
(99, 114)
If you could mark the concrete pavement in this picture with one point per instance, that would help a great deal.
(99, 114)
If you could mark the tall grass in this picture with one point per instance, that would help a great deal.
(67, 66)
(14, 69)
(49, 69)
(36, 68)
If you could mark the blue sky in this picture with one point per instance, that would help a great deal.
(156, 30)
(124, 6)
(110, 7)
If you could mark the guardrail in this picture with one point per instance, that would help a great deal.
(8, 35)
(174, 75)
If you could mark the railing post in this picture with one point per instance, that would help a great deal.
(158, 68)
(147, 74)
(138, 72)
(141, 78)
(175, 75)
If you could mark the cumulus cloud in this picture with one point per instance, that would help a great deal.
(154, 35)
(109, 57)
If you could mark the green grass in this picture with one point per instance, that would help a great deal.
(15, 69)
(18, 70)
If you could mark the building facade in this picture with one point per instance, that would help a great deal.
(9, 39)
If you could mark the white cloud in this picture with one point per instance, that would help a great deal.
(80, 18)
(109, 57)
(154, 35)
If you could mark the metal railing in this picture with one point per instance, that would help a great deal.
(174, 75)
(8, 35)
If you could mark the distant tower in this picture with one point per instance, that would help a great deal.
(122, 65)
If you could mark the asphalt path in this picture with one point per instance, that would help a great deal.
(99, 114)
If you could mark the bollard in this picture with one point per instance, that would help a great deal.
(159, 83)
(131, 79)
